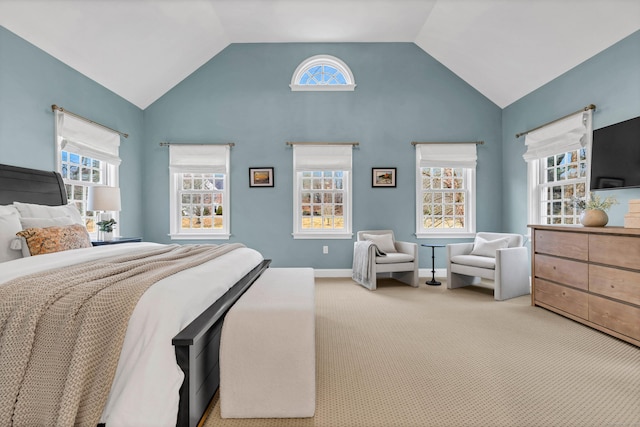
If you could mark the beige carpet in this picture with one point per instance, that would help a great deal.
(402, 356)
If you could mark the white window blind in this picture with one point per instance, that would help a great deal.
(322, 157)
(447, 155)
(198, 158)
(81, 137)
(564, 135)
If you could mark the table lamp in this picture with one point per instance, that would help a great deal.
(103, 199)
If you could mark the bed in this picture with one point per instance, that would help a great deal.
(194, 348)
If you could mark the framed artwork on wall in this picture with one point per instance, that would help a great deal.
(383, 177)
(260, 177)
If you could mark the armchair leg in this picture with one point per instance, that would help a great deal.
(408, 277)
(455, 280)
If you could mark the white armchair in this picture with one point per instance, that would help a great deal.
(401, 265)
(467, 263)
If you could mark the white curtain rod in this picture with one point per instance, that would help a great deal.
(447, 142)
(166, 144)
(54, 107)
(587, 108)
(355, 144)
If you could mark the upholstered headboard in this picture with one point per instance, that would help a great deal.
(31, 186)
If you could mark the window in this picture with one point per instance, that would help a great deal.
(558, 157)
(445, 184)
(322, 191)
(322, 72)
(199, 189)
(86, 155)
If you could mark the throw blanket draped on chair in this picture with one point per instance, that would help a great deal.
(364, 259)
(61, 332)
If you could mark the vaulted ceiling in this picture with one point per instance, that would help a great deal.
(140, 49)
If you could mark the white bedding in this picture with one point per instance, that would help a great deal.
(145, 390)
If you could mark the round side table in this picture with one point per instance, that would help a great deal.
(433, 281)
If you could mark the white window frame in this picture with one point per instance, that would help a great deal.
(320, 60)
(320, 158)
(85, 139)
(198, 158)
(448, 155)
(561, 136)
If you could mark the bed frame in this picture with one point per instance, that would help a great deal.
(197, 346)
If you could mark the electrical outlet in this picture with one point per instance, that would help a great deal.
(325, 249)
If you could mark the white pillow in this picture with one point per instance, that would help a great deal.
(41, 223)
(30, 210)
(384, 242)
(482, 247)
(45, 222)
(9, 226)
(7, 209)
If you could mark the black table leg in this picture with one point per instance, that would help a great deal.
(433, 281)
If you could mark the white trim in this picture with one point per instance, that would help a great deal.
(443, 235)
(322, 60)
(200, 236)
(332, 272)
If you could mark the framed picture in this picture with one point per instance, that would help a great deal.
(260, 177)
(383, 177)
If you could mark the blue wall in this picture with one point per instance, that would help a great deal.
(242, 95)
(610, 80)
(30, 82)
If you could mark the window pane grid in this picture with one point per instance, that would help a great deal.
(322, 197)
(201, 198)
(79, 173)
(563, 177)
(444, 196)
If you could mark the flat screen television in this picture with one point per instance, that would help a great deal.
(615, 156)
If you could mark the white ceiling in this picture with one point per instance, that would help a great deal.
(140, 49)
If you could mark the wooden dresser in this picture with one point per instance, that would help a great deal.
(590, 275)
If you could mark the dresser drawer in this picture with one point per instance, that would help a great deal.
(571, 245)
(620, 251)
(569, 300)
(619, 317)
(623, 285)
(567, 272)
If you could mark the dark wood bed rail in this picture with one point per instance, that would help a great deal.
(197, 352)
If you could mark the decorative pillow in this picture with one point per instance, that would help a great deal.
(30, 210)
(482, 247)
(384, 242)
(56, 239)
(40, 223)
(9, 226)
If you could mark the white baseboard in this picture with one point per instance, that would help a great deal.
(329, 272)
(346, 272)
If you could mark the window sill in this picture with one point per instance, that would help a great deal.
(200, 236)
(442, 235)
(322, 236)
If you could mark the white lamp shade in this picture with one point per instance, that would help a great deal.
(103, 199)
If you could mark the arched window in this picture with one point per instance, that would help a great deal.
(322, 72)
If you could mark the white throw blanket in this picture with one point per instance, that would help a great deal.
(364, 260)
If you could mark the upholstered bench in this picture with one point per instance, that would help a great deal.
(267, 348)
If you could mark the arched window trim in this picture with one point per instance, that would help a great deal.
(323, 60)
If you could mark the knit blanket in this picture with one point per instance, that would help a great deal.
(61, 332)
(364, 259)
